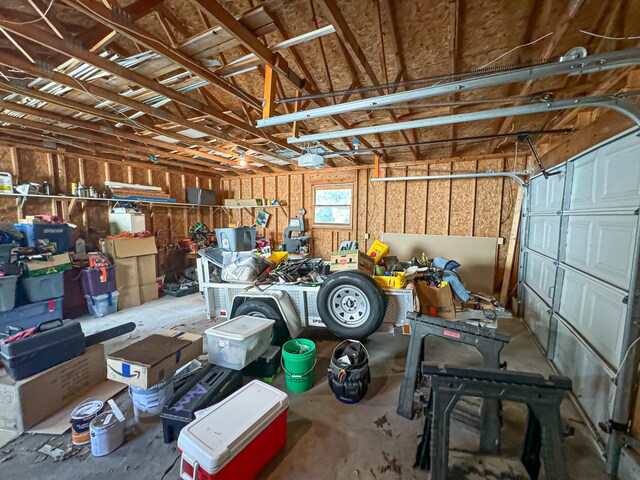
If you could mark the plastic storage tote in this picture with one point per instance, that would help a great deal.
(236, 239)
(32, 315)
(102, 305)
(237, 437)
(60, 234)
(8, 292)
(238, 342)
(98, 280)
(5, 251)
(43, 287)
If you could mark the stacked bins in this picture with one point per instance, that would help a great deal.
(99, 286)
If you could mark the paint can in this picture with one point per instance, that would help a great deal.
(6, 183)
(147, 404)
(107, 433)
(81, 418)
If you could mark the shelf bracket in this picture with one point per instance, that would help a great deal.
(72, 206)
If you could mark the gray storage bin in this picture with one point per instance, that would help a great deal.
(5, 251)
(32, 315)
(239, 239)
(200, 196)
(44, 287)
(8, 292)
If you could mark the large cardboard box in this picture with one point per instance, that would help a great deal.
(150, 360)
(135, 260)
(435, 301)
(25, 403)
(127, 222)
(351, 260)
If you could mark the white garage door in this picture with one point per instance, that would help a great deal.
(579, 258)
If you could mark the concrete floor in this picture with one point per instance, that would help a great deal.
(326, 439)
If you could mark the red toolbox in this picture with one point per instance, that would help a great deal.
(235, 438)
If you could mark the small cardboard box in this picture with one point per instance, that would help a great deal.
(135, 261)
(435, 301)
(351, 260)
(234, 202)
(55, 263)
(150, 360)
(25, 403)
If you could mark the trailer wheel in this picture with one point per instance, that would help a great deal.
(257, 308)
(351, 304)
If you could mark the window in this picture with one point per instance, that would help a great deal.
(332, 205)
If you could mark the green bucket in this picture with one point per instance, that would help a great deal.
(298, 360)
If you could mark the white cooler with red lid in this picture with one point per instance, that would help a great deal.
(237, 437)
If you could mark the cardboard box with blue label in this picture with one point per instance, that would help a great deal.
(149, 361)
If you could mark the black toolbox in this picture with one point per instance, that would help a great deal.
(53, 343)
(266, 365)
(206, 387)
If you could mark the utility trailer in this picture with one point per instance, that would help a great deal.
(348, 303)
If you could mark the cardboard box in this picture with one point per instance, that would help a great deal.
(434, 301)
(55, 263)
(127, 222)
(151, 360)
(25, 403)
(135, 261)
(351, 260)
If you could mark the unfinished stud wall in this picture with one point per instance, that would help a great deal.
(172, 223)
(478, 207)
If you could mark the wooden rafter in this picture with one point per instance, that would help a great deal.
(558, 32)
(90, 126)
(346, 35)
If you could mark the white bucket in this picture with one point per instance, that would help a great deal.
(107, 434)
(6, 182)
(147, 404)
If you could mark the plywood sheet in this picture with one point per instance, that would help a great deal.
(416, 207)
(360, 208)
(438, 201)
(488, 200)
(462, 204)
(477, 255)
(395, 202)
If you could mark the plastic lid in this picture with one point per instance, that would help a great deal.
(215, 438)
(240, 328)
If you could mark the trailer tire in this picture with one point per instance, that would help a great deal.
(351, 304)
(257, 308)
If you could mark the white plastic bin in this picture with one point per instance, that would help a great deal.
(238, 342)
(102, 305)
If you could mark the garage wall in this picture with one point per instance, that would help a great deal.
(481, 207)
(60, 172)
(579, 262)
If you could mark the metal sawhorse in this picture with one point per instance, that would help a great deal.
(543, 439)
(486, 340)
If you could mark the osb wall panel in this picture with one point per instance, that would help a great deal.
(482, 207)
(60, 172)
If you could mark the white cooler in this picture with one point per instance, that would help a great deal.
(238, 342)
(237, 437)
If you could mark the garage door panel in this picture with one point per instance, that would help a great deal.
(591, 382)
(537, 315)
(608, 177)
(546, 194)
(602, 246)
(596, 311)
(540, 275)
(544, 235)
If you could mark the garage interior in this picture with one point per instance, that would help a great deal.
(419, 219)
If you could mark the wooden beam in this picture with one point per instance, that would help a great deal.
(512, 246)
(558, 32)
(48, 72)
(90, 126)
(269, 108)
(232, 26)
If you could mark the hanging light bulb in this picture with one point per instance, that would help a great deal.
(243, 161)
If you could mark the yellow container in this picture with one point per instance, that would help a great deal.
(398, 280)
(378, 251)
(278, 257)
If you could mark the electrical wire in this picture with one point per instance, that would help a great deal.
(514, 49)
(606, 37)
(46, 12)
(624, 359)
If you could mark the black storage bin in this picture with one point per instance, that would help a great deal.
(32, 314)
(200, 196)
(266, 365)
(203, 389)
(55, 342)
